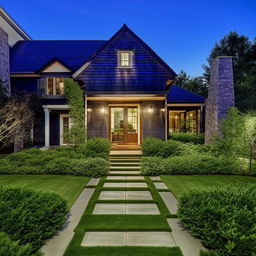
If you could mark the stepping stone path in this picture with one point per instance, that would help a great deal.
(125, 174)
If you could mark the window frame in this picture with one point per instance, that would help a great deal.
(131, 56)
(54, 86)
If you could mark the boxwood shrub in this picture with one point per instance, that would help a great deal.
(191, 164)
(188, 137)
(31, 216)
(156, 147)
(13, 248)
(223, 217)
(96, 147)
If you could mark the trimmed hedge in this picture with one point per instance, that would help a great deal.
(156, 147)
(191, 164)
(61, 160)
(31, 216)
(223, 217)
(91, 167)
(188, 137)
(13, 248)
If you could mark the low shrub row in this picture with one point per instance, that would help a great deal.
(30, 217)
(191, 164)
(223, 217)
(13, 248)
(45, 164)
(188, 137)
(89, 159)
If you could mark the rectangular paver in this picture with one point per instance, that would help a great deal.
(109, 209)
(125, 178)
(103, 239)
(114, 185)
(115, 177)
(158, 238)
(155, 178)
(160, 185)
(138, 195)
(112, 195)
(163, 239)
(136, 184)
(123, 208)
(144, 209)
(93, 182)
(170, 201)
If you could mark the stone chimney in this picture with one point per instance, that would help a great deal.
(4, 59)
(220, 95)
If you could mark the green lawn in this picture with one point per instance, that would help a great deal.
(69, 187)
(180, 184)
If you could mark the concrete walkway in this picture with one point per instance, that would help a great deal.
(59, 243)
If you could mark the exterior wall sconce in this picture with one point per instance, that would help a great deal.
(150, 110)
(102, 110)
(89, 110)
(163, 110)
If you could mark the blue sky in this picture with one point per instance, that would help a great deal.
(181, 32)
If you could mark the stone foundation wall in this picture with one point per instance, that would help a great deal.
(220, 95)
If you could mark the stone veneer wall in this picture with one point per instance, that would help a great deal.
(220, 95)
(4, 59)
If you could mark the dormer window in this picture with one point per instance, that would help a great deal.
(125, 59)
(55, 86)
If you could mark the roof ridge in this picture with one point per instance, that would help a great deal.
(64, 40)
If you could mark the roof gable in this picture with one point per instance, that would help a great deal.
(31, 56)
(148, 73)
(55, 66)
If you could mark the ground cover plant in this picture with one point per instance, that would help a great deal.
(223, 217)
(31, 217)
(88, 159)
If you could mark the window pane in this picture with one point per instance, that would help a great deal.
(50, 86)
(59, 85)
(132, 120)
(125, 59)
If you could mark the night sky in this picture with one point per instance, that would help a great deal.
(181, 32)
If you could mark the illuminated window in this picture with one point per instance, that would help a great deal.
(55, 86)
(125, 59)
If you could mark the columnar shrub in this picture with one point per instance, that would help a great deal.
(223, 217)
(29, 216)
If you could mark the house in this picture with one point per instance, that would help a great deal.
(129, 91)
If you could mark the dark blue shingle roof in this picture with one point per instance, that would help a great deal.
(29, 56)
(180, 95)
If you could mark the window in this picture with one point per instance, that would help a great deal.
(125, 59)
(55, 86)
(184, 121)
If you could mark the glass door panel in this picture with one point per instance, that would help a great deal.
(117, 125)
(132, 125)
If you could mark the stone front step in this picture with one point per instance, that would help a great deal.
(125, 164)
(124, 168)
(125, 178)
(124, 172)
(152, 239)
(133, 160)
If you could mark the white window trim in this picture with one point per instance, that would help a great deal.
(131, 54)
(61, 128)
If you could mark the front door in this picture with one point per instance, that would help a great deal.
(124, 125)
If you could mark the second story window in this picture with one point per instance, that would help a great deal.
(125, 59)
(55, 86)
